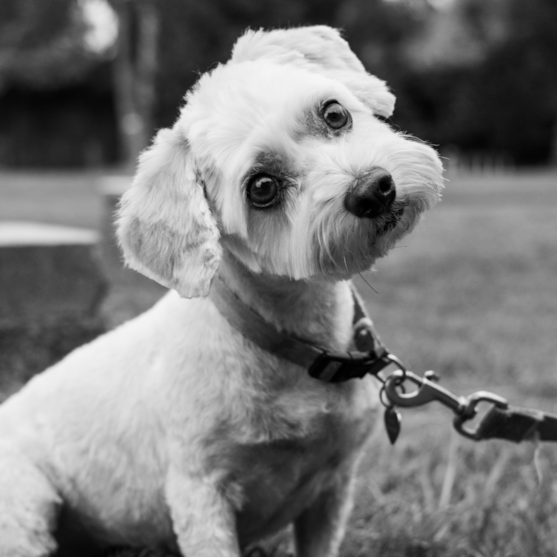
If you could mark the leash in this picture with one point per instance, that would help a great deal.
(367, 355)
(501, 421)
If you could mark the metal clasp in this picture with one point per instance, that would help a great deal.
(470, 411)
(428, 391)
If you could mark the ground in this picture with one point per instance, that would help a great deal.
(471, 294)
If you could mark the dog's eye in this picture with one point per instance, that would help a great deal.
(263, 190)
(335, 115)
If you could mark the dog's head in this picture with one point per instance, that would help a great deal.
(281, 157)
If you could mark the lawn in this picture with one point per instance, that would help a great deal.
(69, 198)
(471, 294)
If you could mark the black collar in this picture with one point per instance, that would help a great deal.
(366, 355)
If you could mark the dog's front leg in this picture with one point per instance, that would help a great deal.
(203, 521)
(319, 530)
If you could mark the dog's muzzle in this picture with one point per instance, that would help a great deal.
(372, 194)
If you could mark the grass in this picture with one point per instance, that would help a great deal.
(69, 198)
(472, 294)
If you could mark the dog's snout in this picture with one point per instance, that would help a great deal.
(371, 195)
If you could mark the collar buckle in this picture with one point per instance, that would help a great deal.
(337, 367)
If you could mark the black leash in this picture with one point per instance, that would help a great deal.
(501, 421)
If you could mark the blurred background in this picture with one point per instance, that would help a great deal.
(472, 294)
(476, 77)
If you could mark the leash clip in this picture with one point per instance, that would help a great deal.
(470, 411)
(428, 391)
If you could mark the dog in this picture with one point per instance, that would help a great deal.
(279, 181)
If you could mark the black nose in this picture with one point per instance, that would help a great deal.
(372, 194)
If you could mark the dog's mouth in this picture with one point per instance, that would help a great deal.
(389, 220)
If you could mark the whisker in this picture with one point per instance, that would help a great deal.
(362, 277)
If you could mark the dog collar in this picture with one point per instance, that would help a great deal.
(367, 354)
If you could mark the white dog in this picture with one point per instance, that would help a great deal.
(278, 183)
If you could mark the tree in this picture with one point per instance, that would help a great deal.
(41, 43)
(532, 33)
(134, 73)
(515, 86)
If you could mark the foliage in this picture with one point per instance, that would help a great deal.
(41, 43)
(476, 106)
(504, 104)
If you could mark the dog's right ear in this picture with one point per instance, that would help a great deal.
(165, 227)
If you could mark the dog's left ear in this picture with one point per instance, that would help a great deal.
(318, 48)
(165, 227)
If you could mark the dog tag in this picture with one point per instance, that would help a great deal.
(392, 420)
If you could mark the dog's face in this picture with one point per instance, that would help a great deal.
(278, 156)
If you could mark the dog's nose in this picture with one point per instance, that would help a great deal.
(372, 194)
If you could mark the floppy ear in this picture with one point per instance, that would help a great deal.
(165, 227)
(318, 48)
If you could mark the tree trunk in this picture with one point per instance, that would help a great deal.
(134, 73)
(147, 55)
(553, 152)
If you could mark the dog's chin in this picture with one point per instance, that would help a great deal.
(387, 223)
(388, 229)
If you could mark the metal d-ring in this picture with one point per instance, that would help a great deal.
(428, 391)
(470, 411)
(391, 358)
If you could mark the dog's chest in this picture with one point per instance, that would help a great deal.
(298, 447)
